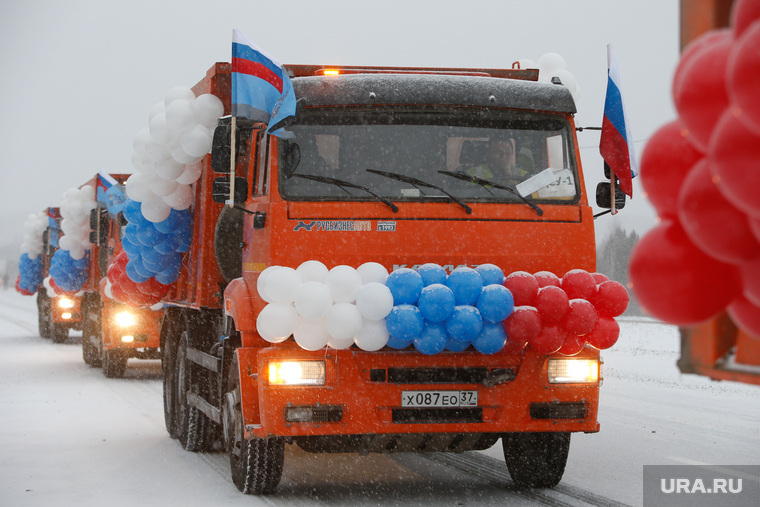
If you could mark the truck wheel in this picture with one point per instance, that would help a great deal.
(256, 464)
(536, 460)
(191, 422)
(43, 313)
(114, 363)
(58, 332)
(170, 386)
(91, 334)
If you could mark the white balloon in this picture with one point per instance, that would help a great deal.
(141, 139)
(158, 107)
(159, 130)
(312, 271)
(66, 242)
(313, 300)
(373, 335)
(276, 322)
(372, 272)
(162, 187)
(344, 283)
(337, 344)
(180, 155)
(311, 334)
(569, 81)
(549, 62)
(208, 109)
(180, 116)
(374, 301)
(155, 210)
(262, 281)
(283, 285)
(158, 151)
(527, 63)
(169, 169)
(178, 93)
(138, 188)
(196, 141)
(181, 198)
(107, 289)
(77, 252)
(343, 321)
(190, 173)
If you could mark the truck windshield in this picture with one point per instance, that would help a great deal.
(510, 149)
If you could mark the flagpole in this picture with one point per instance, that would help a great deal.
(612, 194)
(233, 127)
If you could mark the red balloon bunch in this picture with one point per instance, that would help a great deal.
(20, 290)
(562, 315)
(126, 291)
(701, 172)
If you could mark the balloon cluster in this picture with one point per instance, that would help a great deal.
(151, 260)
(30, 262)
(167, 154)
(436, 311)
(701, 172)
(551, 65)
(68, 268)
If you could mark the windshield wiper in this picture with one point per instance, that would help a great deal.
(420, 183)
(488, 183)
(343, 183)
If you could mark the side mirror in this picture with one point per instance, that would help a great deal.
(604, 199)
(99, 226)
(220, 153)
(291, 158)
(220, 191)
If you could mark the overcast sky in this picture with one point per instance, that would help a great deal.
(79, 77)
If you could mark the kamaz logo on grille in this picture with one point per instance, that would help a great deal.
(334, 225)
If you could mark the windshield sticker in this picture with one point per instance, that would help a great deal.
(388, 226)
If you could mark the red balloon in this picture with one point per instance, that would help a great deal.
(667, 159)
(523, 287)
(694, 47)
(746, 316)
(549, 340)
(580, 318)
(605, 333)
(572, 345)
(552, 304)
(118, 293)
(754, 225)
(750, 272)
(743, 75)
(599, 278)
(522, 325)
(546, 278)
(153, 287)
(611, 299)
(734, 157)
(699, 88)
(578, 284)
(675, 281)
(743, 14)
(712, 223)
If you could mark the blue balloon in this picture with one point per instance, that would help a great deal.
(436, 302)
(466, 284)
(404, 322)
(133, 213)
(130, 247)
(495, 303)
(154, 259)
(170, 224)
(456, 346)
(405, 285)
(433, 339)
(184, 244)
(141, 268)
(168, 245)
(491, 339)
(490, 273)
(133, 273)
(130, 234)
(465, 324)
(168, 276)
(432, 273)
(396, 343)
(149, 236)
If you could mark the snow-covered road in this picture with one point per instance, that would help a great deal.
(69, 436)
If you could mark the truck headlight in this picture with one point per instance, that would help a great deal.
(125, 319)
(573, 371)
(297, 373)
(65, 302)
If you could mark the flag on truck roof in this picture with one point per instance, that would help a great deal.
(54, 229)
(261, 88)
(616, 143)
(109, 193)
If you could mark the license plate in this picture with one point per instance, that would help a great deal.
(439, 398)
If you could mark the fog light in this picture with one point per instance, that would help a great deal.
(573, 371)
(297, 373)
(65, 302)
(314, 413)
(127, 338)
(66, 315)
(125, 319)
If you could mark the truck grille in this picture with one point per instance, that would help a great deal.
(440, 375)
(436, 415)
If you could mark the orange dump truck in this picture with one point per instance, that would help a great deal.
(373, 173)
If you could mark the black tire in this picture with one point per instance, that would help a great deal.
(191, 422)
(114, 362)
(168, 351)
(536, 460)
(43, 313)
(256, 464)
(58, 332)
(92, 332)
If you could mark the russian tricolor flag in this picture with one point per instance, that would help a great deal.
(616, 143)
(261, 89)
